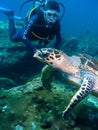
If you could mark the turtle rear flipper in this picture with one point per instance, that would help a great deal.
(85, 89)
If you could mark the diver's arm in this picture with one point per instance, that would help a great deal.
(26, 31)
(57, 41)
(58, 38)
(30, 45)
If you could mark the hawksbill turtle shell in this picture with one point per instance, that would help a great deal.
(89, 63)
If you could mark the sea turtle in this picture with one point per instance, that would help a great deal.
(80, 69)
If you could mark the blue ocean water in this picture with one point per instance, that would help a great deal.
(81, 15)
(81, 18)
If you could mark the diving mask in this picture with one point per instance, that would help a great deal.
(52, 13)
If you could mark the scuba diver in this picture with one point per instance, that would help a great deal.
(43, 25)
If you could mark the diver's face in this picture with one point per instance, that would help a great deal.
(51, 16)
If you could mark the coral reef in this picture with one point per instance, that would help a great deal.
(32, 107)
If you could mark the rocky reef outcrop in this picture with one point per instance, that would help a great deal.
(16, 60)
(32, 107)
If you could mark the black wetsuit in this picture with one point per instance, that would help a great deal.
(35, 29)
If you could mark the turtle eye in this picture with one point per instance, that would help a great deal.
(45, 54)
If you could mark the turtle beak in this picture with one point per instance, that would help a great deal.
(38, 55)
(41, 55)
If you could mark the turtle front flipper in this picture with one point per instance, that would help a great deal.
(47, 75)
(85, 89)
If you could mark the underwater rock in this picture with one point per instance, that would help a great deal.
(10, 52)
(31, 107)
(16, 60)
(71, 46)
(18, 127)
(46, 125)
(33, 126)
(77, 128)
(6, 83)
(87, 45)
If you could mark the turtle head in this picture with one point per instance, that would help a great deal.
(50, 56)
